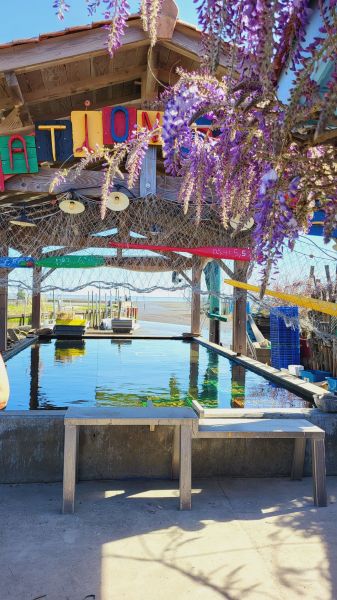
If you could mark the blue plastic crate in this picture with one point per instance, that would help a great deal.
(285, 350)
(285, 341)
(314, 375)
(282, 349)
(332, 384)
(289, 311)
(281, 360)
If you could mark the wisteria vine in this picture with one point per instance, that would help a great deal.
(262, 159)
(117, 12)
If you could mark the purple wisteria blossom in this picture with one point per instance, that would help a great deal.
(61, 8)
(118, 11)
(259, 159)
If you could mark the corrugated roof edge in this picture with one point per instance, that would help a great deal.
(78, 28)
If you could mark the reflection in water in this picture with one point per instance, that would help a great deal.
(105, 397)
(68, 350)
(238, 386)
(133, 373)
(210, 384)
(34, 376)
(194, 371)
(205, 392)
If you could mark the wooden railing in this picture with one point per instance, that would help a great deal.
(26, 319)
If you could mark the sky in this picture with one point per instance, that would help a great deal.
(28, 18)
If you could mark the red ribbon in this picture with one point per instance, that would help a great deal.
(215, 252)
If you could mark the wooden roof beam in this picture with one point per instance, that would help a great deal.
(40, 182)
(85, 85)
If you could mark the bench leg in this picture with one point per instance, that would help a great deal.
(70, 467)
(298, 458)
(185, 480)
(318, 472)
(176, 453)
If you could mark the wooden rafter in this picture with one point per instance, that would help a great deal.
(167, 186)
(40, 182)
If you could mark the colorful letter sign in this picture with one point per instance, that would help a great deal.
(18, 154)
(118, 124)
(148, 118)
(59, 140)
(54, 140)
(87, 130)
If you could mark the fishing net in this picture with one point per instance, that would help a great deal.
(151, 220)
(309, 271)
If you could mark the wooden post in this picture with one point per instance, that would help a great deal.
(298, 458)
(36, 299)
(70, 467)
(3, 304)
(214, 331)
(318, 471)
(148, 174)
(185, 479)
(149, 90)
(239, 343)
(193, 394)
(54, 310)
(176, 453)
(196, 299)
(25, 309)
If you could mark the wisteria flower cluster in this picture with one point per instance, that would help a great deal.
(61, 8)
(117, 12)
(260, 159)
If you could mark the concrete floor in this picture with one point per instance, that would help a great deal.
(244, 539)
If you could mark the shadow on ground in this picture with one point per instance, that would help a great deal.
(243, 539)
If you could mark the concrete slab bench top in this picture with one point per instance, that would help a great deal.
(119, 415)
(257, 428)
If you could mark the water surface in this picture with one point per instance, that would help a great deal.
(104, 372)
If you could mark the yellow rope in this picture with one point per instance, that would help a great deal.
(329, 308)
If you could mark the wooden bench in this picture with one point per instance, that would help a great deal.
(299, 429)
(184, 418)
